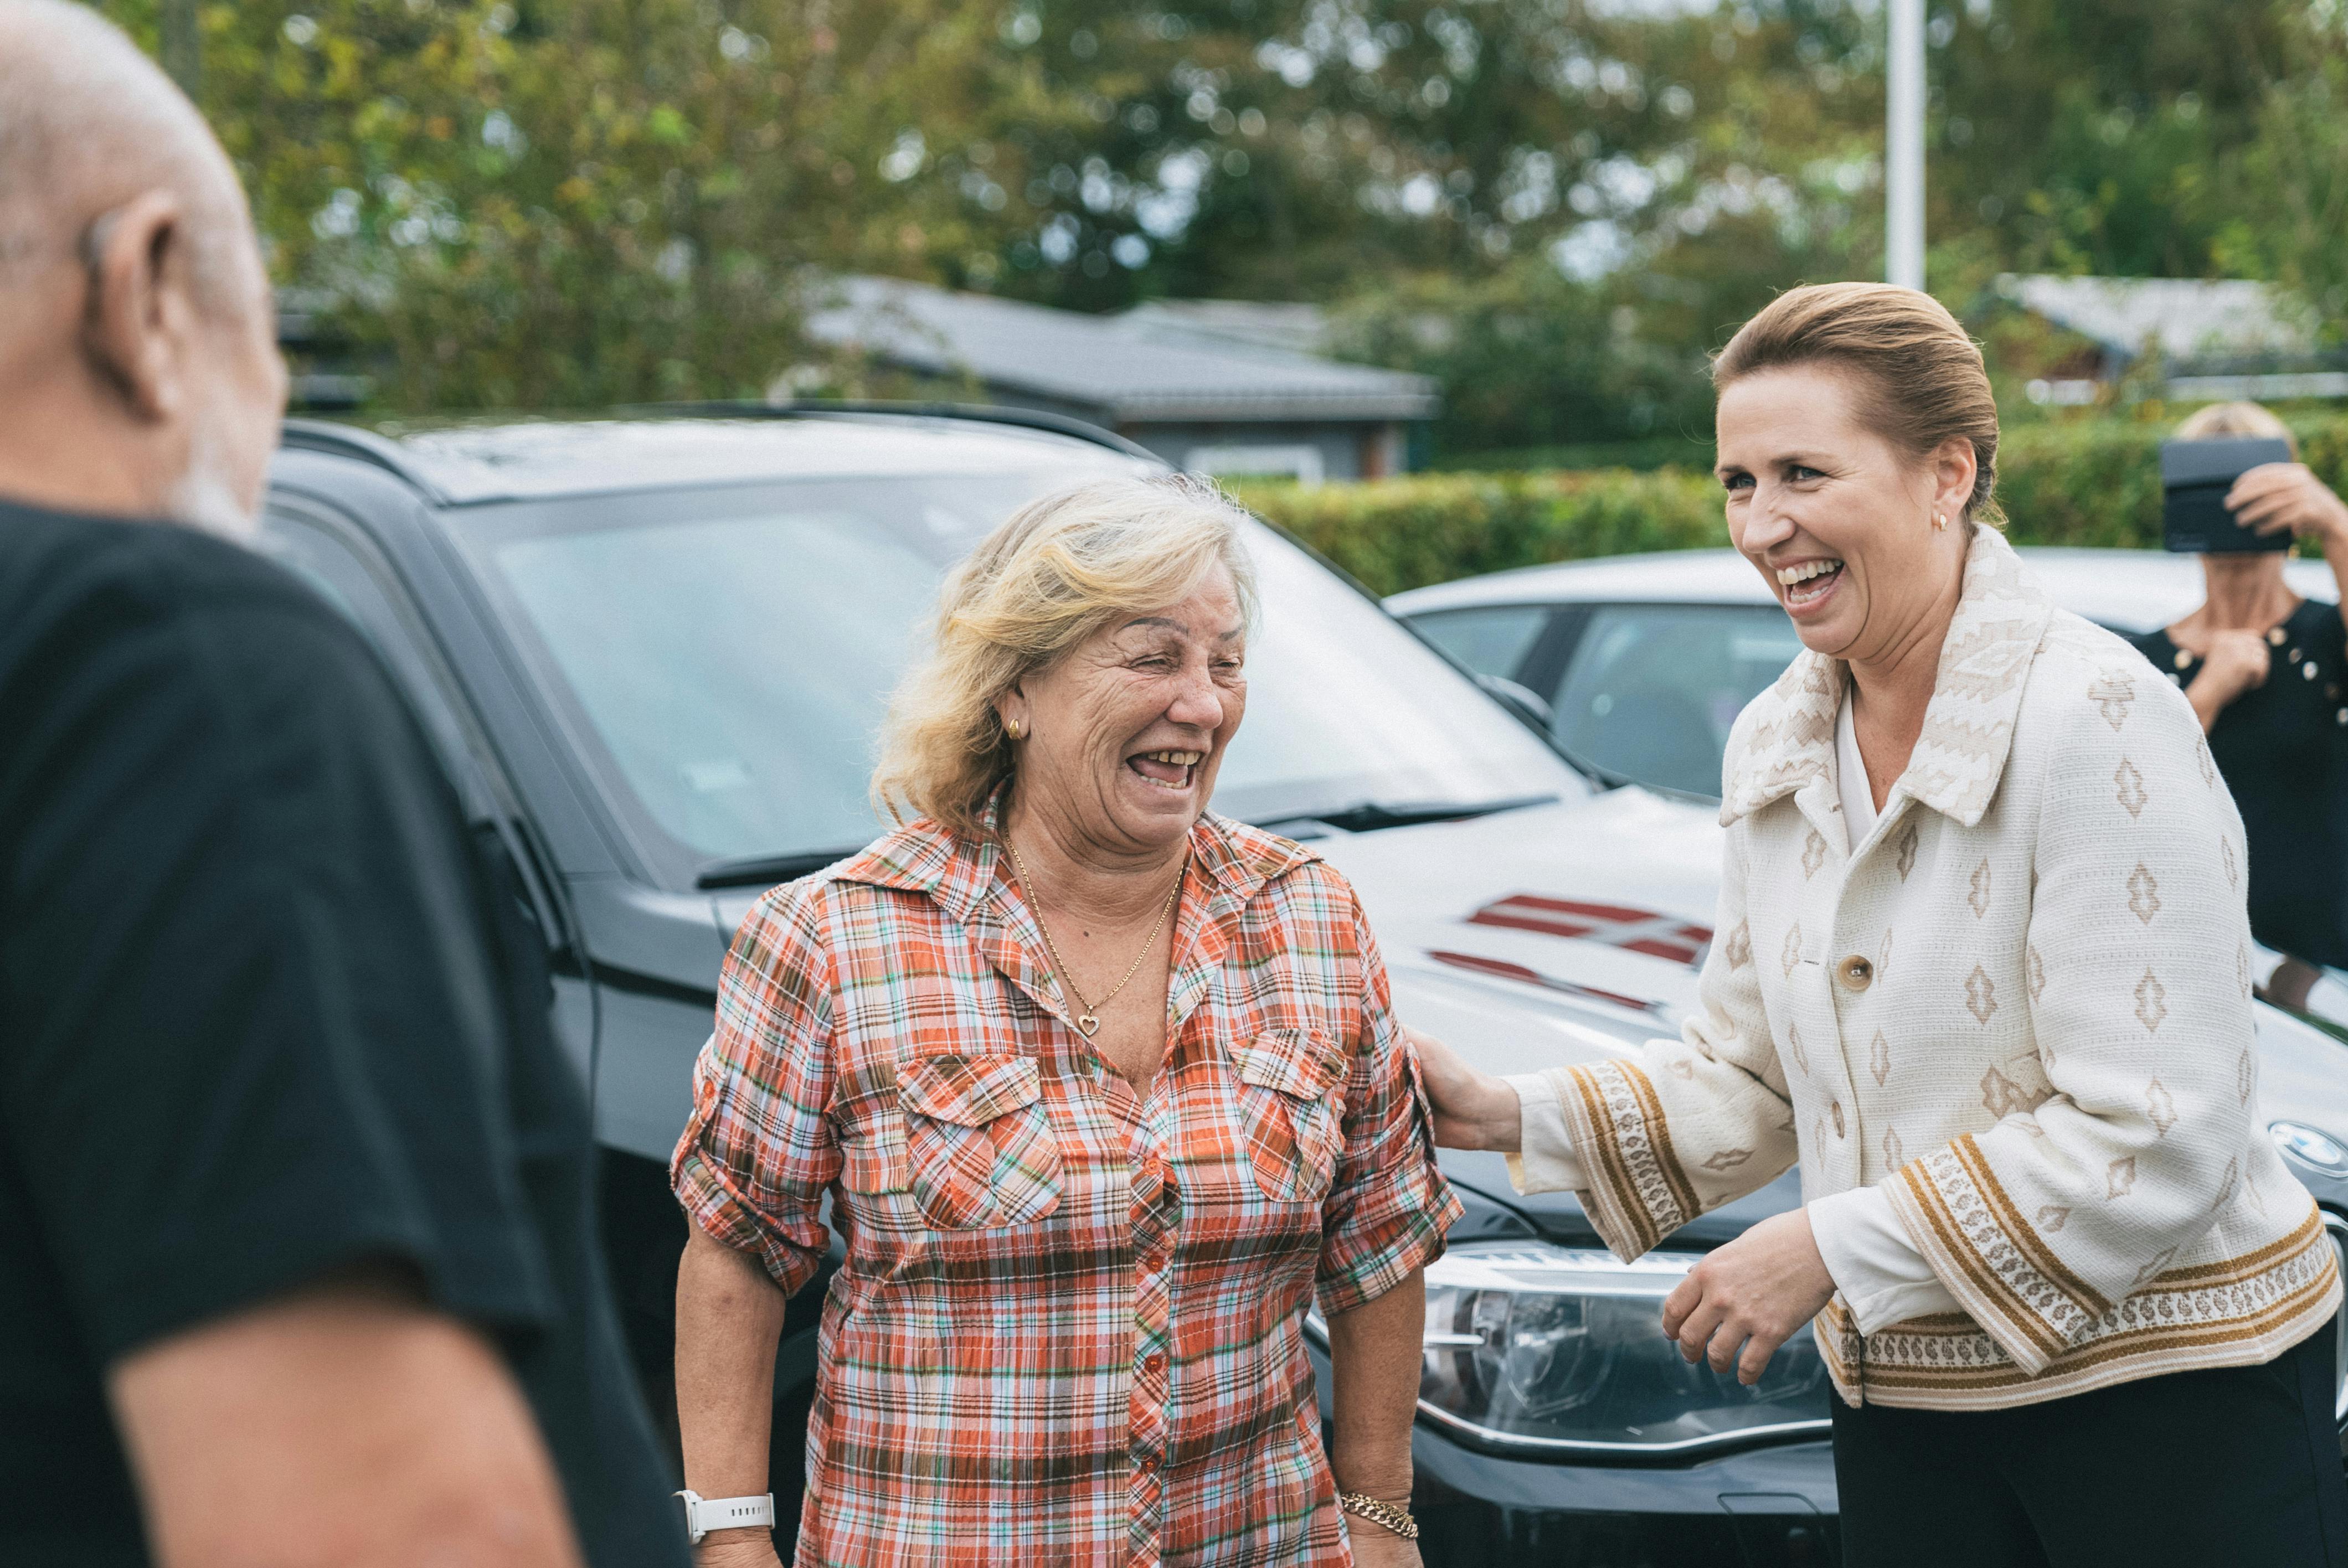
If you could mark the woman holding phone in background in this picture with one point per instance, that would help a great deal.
(2267, 673)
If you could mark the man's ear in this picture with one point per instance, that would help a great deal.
(136, 324)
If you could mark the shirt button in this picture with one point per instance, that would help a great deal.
(1854, 973)
(1154, 1363)
(1835, 1108)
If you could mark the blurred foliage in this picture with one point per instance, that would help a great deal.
(1558, 206)
(1691, 450)
(2084, 482)
(1405, 532)
(1529, 358)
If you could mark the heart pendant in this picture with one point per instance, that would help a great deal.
(1088, 1024)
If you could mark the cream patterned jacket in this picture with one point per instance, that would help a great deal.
(2021, 1004)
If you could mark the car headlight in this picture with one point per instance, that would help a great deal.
(1548, 1348)
(2310, 1147)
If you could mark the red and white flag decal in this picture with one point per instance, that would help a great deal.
(1615, 925)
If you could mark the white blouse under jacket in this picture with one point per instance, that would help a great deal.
(2018, 1010)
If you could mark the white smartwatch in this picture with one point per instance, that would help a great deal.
(704, 1514)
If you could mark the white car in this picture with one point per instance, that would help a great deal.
(1641, 663)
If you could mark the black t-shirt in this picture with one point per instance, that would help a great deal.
(266, 1009)
(2283, 750)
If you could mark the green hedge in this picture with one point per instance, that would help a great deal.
(2086, 482)
(1395, 534)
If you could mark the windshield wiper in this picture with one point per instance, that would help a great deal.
(767, 870)
(1369, 816)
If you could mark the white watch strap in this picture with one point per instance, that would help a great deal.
(704, 1514)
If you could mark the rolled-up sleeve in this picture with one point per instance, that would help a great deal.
(760, 1150)
(1389, 1207)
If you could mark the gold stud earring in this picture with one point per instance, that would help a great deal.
(1014, 729)
(1939, 522)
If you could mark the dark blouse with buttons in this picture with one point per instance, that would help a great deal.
(2284, 749)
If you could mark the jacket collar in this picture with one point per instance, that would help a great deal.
(967, 877)
(1789, 739)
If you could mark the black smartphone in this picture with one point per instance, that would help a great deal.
(2194, 478)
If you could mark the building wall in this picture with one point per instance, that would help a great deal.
(1312, 451)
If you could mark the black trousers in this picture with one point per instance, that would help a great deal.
(2199, 1469)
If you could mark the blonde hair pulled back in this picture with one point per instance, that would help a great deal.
(1921, 377)
(1057, 572)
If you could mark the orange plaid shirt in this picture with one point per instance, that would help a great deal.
(1069, 1329)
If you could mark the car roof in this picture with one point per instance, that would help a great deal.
(2130, 590)
(471, 464)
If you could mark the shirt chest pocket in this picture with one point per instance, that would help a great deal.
(1292, 1111)
(979, 1149)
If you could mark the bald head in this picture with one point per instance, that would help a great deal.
(138, 368)
(86, 122)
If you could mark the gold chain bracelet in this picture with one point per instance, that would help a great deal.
(1378, 1511)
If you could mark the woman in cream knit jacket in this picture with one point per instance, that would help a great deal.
(1983, 974)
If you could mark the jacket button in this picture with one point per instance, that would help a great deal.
(1856, 973)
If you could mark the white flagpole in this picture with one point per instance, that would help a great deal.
(1903, 147)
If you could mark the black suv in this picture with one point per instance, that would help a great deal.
(652, 653)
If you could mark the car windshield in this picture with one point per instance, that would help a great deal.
(1653, 690)
(723, 657)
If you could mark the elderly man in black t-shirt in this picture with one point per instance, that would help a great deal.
(297, 1259)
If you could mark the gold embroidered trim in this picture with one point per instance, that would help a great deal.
(1959, 1262)
(1659, 1133)
(2237, 1312)
(1638, 1193)
(2024, 1235)
(1612, 1197)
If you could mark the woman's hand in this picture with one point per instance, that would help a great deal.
(2277, 496)
(2234, 662)
(1752, 1295)
(1472, 1109)
(1375, 1546)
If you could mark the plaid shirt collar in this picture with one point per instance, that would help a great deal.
(969, 882)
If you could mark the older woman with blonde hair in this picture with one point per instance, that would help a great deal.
(1102, 1090)
(1982, 976)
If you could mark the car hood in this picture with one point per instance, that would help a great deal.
(1561, 934)
(1542, 938)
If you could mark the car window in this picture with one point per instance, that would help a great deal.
(349, 574)
(722, 658)
(1491, 639)
(1651, 691)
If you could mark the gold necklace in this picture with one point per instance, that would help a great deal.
(1088, 1020)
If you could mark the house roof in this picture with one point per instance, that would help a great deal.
(1246, 323)
(1121, 368)
(2189, 320)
